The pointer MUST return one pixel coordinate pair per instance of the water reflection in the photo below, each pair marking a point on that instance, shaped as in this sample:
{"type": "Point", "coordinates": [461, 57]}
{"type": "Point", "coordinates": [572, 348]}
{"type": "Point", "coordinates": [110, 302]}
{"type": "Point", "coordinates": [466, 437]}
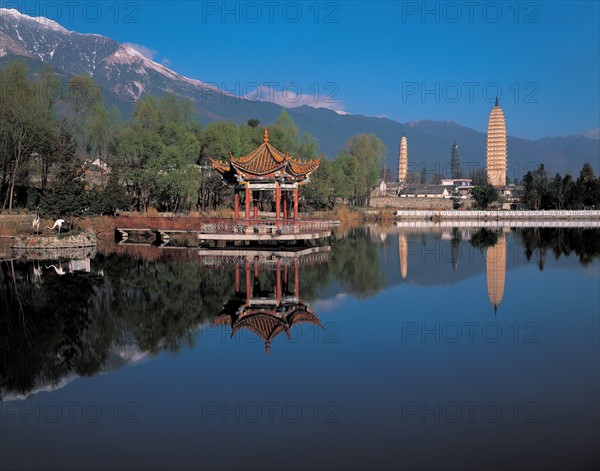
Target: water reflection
{"type": "Point", "coordinates": [65, 317]}
{"type": "Point", "coordinates": [269, 304]}
{"type": "Point", "coordinates": [495, 269]}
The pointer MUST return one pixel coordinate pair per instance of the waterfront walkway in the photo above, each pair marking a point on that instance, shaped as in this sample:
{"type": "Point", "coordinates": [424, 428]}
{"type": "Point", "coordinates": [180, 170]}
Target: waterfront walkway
{"type": "Point", "coordinates": [225, 230]}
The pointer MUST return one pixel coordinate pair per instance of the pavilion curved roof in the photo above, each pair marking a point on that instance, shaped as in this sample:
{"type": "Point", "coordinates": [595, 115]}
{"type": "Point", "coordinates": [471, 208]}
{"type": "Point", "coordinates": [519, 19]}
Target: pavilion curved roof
{"type": "Point", "coordinates": [264, 161]}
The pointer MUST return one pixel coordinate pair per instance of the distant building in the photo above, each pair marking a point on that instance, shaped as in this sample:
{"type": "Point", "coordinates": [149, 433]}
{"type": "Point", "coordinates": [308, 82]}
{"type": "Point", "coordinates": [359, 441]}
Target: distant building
{"type": "Point", "coordinates": [456, 182]}
{"type": "Point", "coordinates": [96, 173]}
{"type": "Point", "coordinates": [425, 191]}
{"type": "Point", "coordinates": [463, 185]}
{"type": "Point", "coordinates": [496, 147]}
{"type": "Point", "coordinates": [403, 159]}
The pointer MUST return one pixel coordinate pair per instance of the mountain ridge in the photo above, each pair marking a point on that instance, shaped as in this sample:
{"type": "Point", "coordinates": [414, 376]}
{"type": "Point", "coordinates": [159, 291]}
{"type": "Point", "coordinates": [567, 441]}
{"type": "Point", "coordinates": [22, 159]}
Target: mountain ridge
{"type": "Point", "coordinates": [126, 74]}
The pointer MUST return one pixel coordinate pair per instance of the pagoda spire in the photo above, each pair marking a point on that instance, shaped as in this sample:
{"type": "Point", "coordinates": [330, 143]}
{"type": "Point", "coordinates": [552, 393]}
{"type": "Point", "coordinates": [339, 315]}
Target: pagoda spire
{"type": "Point", "coordinates": [497, 104]}
{"type": "Point", "coordinates": [266, 135]}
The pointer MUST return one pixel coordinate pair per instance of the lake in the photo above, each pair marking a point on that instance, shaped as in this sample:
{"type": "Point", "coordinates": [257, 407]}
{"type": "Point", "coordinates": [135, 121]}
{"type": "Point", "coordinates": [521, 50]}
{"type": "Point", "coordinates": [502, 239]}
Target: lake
{"type": "Point", "coordinates": [384, 348]}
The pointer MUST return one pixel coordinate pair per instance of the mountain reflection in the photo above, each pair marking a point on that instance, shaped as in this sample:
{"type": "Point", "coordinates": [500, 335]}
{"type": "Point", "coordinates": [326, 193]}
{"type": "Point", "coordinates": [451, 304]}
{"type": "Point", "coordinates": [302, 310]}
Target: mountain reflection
{"type": "Point", "coordinates": [67, 317]}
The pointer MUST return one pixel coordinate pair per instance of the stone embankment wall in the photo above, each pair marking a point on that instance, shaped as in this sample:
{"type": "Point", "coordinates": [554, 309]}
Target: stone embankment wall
{"type": "Point", "coordinates": [87, 239]}
{"type": "Point", "coordinates": [395, 202]}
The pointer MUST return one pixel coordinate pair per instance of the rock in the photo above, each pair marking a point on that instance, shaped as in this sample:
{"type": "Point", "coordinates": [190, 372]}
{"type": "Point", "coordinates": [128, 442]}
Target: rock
{"type": "Point", "coordinates": [87, 239]}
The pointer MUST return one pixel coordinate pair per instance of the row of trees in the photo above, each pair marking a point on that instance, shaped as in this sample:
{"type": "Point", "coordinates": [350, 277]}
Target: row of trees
{"type": "Point", "coordinates": [158, 158]}
{"type": "Point", "coordinates": [543, 192]}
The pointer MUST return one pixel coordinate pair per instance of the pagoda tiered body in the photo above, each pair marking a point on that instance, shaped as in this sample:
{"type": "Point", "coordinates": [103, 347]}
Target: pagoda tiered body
{"type": "Point", "coordinates": [266, 168]}
{"type": "Point", "coordinates": [496, 147]}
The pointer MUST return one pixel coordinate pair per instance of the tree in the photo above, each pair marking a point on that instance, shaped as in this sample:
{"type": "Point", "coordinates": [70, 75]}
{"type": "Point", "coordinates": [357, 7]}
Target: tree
{"type": "Point", "coordinates": [561, 190]}
{"type": "Point", "coordinates": [66, 197]}
{"type": "Point", "coordinates": [158, 154]}
{"type": "Point", "coordinates": [100, 128]}
{"type": "Point", "coordinates": [26, 121]}
{"type": "Point", "coordinates": [109, 199]}
{"type": "Point", "coordinates": [83, 95]}
{"type": "Point", "coordinates": [423, 180]}
{"type": "Point", "coordinates": [456, 199]}
{"type": "Point", "coordinates": [479, 176]}
{"type": "Point", "coordinates": [323, 190]}
{"type": "Point", "coordinates": [588, 187]}
{"type": "Point", "coordinates": [484, 195]}
{"type": "Point", "coordinates": [359, 162]}
{"type": "Point", "coordinates": [253, 123]}
{"type": "Point", "coordinates": [536, 189]}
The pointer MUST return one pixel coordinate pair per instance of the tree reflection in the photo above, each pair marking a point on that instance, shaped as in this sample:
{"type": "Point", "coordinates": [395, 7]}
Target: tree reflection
{"type": "Point", "coordinates": [585, 243]}
{"type": "Point", "coordinates": [53, 327]}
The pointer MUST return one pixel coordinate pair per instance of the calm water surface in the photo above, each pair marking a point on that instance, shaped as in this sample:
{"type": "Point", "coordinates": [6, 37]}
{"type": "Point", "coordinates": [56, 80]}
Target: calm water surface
{"type": "Point", "coordinates": [385, 349]}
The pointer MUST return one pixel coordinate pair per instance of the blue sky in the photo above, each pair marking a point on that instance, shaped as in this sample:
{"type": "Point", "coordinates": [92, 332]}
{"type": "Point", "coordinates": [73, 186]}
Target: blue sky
{"type": "Point", "coordinates": [403, 60]}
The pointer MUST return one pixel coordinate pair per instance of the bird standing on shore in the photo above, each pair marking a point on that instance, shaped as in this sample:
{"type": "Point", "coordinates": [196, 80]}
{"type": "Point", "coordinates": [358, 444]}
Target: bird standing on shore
{"type": "Point", "coordinates": [35, 225]}
{"type": "Point", "coordinates": [58, 223]}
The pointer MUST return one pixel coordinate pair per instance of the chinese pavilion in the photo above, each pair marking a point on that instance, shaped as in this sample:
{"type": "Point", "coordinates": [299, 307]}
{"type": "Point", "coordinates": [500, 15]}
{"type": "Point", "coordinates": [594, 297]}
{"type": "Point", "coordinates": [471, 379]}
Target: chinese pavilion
{"type": "Point", "coordinates": [266, 168]}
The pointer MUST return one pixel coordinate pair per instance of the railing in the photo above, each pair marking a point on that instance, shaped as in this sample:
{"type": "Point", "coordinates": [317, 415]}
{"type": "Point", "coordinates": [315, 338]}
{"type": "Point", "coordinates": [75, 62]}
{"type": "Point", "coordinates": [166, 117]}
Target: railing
{"type": "Point", "coordinates": [543, 214]}
{"type": "Point", "coordinates": [219, 226]}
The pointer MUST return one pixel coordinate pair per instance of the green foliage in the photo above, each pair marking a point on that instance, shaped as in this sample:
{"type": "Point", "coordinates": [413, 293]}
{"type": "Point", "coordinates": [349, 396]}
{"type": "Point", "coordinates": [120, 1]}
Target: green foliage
{"type": "Point", "coordinates": [160, 158]}
{"type": "Point", "coordinates": [109, 199]}
{"type": "Point", "coordinates": [561, 192]}
{"type": "Point", "coordinates": [485, 195]}
{"type": "Point", "coordinates": [157, 154]}
{"type": "Point", "coordinates": [67, 196]}
{"type": "Point", "coordinates": [26, 128]}
{"type": "Point", "coordinates": [456, 200]}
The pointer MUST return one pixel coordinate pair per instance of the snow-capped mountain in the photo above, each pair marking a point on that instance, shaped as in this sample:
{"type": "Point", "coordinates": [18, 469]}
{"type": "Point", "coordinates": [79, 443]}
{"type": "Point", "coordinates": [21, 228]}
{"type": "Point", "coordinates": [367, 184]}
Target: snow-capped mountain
{"type": "Point", "coordinates": [114, 66]}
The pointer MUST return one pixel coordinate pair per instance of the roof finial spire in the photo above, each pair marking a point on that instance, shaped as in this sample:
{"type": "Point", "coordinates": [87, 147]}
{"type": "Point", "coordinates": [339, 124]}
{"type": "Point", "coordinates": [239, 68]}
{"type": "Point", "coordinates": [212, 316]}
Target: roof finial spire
{"type": "Point", "coordinates": [266, 135]}
{"type": "Point", "coordinates": [497, 101]}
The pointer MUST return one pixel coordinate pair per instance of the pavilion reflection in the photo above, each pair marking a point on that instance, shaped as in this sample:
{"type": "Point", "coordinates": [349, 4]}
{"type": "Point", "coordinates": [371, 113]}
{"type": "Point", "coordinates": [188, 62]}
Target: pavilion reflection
{"type": "Point", "coordinates": [267, 299]}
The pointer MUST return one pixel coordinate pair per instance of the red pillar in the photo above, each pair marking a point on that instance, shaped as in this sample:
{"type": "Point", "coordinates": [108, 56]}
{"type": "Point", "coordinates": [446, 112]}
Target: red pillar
{"type": "Point", "coordinates": [248, 283]}
{"type": "Point", "coordinates": [296, 203]}
{"type": "Point", "coordinates": [285, 214]}
{"type": "Point", "coordinates": [236, 203]}
{"type": "Point", "coordinates": [247, 204]}
{"type": "Point", "coordinates": [277, 204]}
{"type": "Point", "coordinates": [278, 292]}
{"type": "Point", "coordinates": [237, 277]}
{"type": "Point", "coordinates": [255, 201]}
{"type": "Point", "coordinates": [296, 280]}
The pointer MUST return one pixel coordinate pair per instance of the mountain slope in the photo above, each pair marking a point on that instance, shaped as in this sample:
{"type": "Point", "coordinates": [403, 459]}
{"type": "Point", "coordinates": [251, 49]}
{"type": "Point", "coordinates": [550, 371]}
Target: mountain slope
{"type": "Point", "coordinates": [125, 75]}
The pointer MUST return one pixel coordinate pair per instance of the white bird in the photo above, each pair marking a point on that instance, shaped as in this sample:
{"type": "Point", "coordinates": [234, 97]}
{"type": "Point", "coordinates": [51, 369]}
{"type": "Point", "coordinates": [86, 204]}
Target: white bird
{"type": "Point", "coordinates": [58, 223]}
{"type": "Point", "coordinates": [59, 270]}
{"type": "Point", "coordinates": [35, 225]}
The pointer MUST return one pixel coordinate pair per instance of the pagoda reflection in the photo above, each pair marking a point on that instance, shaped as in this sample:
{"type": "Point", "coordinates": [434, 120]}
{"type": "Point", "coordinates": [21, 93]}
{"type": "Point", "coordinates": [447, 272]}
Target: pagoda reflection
{"type": "Point", "coordinates": [495, 267]}
{"type": "Point", "coordinates": [267, 298]}
{"type": "Point", "coordinates": [403, 254]}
